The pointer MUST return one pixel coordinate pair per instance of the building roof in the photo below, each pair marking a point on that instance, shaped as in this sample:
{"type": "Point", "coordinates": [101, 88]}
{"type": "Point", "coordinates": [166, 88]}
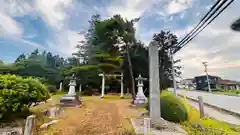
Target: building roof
{"type": "Point", "coordinates": [208, 75]}
{"type": "Point", "coordinates": [190, 79]}
{"type": "Point", "coordinates": [226, 82]}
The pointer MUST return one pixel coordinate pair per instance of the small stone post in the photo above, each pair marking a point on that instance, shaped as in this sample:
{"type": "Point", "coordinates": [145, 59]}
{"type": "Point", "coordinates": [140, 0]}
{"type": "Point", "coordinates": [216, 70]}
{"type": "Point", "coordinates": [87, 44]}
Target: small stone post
{"type": "Point", "coordinates": [127, 90]}
{"type": "Point", "coordinates": [147, 125]}
{"type": "Point", "coordinates": [60, 86]}
{"type": "Point", "coordinates": [80, 88]}
{"type": "Point", "coordinates": [201, 106]}
{"type": "Point", "coordinates": [103, 84]}
{"type": "Point", "coordinates": [29, 125]}
{"type": "Point", "coordinates": [121, 96]}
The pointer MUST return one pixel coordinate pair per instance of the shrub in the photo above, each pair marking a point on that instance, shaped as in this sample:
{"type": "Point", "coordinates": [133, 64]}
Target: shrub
{"type": "Point", "coordinates": [88, 92]}
{"type": "Point", "coordinates": [52, 88]}
{"type": "Point", "coordinates": [172, 107]}
{"type": "Point", "coordinates": [17, 94]}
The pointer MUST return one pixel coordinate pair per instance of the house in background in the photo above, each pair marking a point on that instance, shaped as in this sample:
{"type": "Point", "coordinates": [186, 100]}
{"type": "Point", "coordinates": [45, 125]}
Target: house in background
{"type": "Point", "coordinates": [216, 83]}
{"type": "Point", "coordinates": [227, 85]}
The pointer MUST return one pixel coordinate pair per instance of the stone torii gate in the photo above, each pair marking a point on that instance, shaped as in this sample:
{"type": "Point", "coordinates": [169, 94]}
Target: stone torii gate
{"type": "Point", "coordinates": [103, 82]}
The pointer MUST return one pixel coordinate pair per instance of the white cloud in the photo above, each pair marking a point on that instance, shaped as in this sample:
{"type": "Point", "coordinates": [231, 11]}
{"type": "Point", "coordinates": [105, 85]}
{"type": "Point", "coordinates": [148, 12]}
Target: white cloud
{"type": "Point", "coordinates": [8, 26]}
{"type": "Point", "coordinates": [16, 7]}
{"type": "Point", "coordinates": [130, 8]}
{"type": "Point", "coordinates": [65, 42]}
{"type": "Point", "coordinates": [176, 6]}
{"type": "Point", "coordinates": [218, 45]}
{"type": "Point", "coordinates": [53, 11]}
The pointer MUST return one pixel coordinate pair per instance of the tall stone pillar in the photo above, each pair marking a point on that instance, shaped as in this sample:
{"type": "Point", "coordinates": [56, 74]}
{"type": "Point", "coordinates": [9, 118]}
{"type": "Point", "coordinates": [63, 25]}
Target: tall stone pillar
{"type": "Point", "coordinates": [154, 87]}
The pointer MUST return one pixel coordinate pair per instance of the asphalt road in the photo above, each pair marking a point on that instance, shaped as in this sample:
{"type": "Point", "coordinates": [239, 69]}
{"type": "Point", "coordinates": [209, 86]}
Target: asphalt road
{"type": "Point", "coordinates": [223, 101]}
{"type": "Point", "coordinates": [218, 115]}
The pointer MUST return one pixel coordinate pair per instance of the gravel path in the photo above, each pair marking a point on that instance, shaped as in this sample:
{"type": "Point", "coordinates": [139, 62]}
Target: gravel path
{"type": "Point", "coordinates": [94, 117]}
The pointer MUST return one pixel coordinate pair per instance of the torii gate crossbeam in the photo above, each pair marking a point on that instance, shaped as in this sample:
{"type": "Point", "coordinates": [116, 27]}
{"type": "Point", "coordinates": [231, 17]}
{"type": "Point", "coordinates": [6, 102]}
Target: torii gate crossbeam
{"type": "Point", "coordinates": [103, 83]}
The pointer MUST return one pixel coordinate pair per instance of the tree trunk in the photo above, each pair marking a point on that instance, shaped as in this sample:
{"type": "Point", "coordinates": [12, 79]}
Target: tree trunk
{"type": "Point", "coordinates": [131, 74]}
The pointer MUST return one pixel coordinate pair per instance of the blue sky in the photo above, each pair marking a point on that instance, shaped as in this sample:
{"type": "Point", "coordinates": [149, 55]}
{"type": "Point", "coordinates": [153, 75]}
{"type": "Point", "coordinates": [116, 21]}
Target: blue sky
{"type": "Point", "coordinates": [53, 25]}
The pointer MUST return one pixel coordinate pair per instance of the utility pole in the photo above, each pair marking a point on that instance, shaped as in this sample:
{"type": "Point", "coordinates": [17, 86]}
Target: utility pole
{"type": "Point", "coordinates": [209, 87]}
{"type": "Point", "coordinates": [172, 64]}
{"type": "Point", "coordinates": [173, 73]}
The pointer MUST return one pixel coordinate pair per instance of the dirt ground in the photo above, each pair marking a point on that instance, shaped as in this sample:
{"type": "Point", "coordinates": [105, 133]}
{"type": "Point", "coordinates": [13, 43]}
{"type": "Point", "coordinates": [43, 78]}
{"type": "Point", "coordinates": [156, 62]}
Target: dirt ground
{"type": "Point", "coordinates": [95, 117]}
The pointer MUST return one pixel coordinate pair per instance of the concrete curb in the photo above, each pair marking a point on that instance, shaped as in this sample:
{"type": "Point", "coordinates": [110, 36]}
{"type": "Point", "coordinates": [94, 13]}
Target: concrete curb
{"type": "Point", "coordinates": [229, 95]}
{"type": "Point", "coordinates": [213, 93]}
{"type": "Point", "coordinates": [213, 106]}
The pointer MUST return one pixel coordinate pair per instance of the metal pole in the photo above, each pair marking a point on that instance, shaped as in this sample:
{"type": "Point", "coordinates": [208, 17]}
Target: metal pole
{"type": "Point", "coordinates": [209, 87]}
{"type": "Point", "coordinates": [173, 71]}
{"type": "Point", "coordinates": [173, 74]}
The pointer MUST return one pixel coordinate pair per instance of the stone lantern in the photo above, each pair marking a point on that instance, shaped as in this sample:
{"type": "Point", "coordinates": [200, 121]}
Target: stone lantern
{"type": "Point", "coordinates": [71, 99]}
{"type": "Point", "coordinates": [140, 97]}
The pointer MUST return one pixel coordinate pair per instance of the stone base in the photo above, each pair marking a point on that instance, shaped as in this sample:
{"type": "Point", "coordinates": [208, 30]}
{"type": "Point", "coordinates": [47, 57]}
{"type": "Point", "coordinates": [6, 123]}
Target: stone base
{"type": "Point", "coordinates": [140, 100]}
{"type": "Point", "coordinates": [70, 101]}
{"type": "Point", "coordinates": [138, 105]}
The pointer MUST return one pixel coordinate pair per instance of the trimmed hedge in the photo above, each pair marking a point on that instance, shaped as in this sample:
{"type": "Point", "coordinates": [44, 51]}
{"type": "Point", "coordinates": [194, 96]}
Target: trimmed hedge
{"type": "Point", "coordinates": [172, 108]}
{"type": "Point", "coordinates": [17, 94]}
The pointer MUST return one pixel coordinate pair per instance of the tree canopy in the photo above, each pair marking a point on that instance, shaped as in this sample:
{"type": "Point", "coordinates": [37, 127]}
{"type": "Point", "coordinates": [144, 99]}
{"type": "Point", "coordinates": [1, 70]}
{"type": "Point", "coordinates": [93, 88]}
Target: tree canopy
{"type": "Point", "coordinates": [110, 47]}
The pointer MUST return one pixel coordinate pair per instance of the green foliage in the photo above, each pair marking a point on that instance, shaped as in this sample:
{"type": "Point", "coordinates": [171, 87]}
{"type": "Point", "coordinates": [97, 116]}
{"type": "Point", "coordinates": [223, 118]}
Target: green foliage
{"type": "Point", "coordinates": [228, 92]}
{"type": "Point", "coordinates": [172, 107]}
{"type": "Point", "coordinates": [17, 94]}
{"type": "Point", "coordinates": [207, 126]}
{"type": "Point", "coordinates": [88, 75]}
{"type": "Point", "coordinates": [43, 65]}
{"type": "Point", "coordinates": [52, 88]}
{"type": "Point", "coordinates": [165, 68]}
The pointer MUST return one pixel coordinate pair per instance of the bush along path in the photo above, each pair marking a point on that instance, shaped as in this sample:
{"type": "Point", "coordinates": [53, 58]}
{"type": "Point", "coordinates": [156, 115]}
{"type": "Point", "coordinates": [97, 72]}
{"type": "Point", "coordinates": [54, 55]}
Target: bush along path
{"type": "Point", "coordinates": [94, 117]}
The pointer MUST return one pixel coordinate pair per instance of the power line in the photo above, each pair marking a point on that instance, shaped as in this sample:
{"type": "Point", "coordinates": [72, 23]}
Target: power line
{"type": "Point", "coordinates": [203, 18]}
{"type": "Point", "coordinates": [197, 28]}
{"type": "Point", "coordinates": [207, 24]}
{"type": "Point", "coordinates": [188, 39]}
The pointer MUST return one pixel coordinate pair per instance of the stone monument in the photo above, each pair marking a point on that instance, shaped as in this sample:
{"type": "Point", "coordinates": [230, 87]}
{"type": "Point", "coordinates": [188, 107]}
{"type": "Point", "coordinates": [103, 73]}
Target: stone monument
{"type": "Point", "coordinates": [154, 87]}
{"type": "Point", "coordinates": [140, 97]}
{"type": "Point", "coordinates": [71, 99]}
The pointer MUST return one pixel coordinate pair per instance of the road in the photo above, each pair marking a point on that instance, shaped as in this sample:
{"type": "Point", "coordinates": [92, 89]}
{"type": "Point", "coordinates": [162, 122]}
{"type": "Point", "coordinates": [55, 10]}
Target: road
{"type": "Point", "coordinates": [218, 115]}
{"type": "Point", "coordinates": [230, 103]}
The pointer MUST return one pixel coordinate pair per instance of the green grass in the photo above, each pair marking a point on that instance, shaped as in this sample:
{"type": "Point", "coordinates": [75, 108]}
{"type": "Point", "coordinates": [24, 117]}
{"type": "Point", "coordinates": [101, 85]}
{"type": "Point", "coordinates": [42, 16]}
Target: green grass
{"type": "Point", "coordinates": [116, 97]}
{"type": "Point", "coordinates": [186, 89]}
{"type": "Point", "coordinates": [55, 99]}
{"type": "Point", "coordinates": [228, 92]}
{"type": "Point", "coordinates": [36, 110]}
{"type": "Point", "coordinates": [207, 125]}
